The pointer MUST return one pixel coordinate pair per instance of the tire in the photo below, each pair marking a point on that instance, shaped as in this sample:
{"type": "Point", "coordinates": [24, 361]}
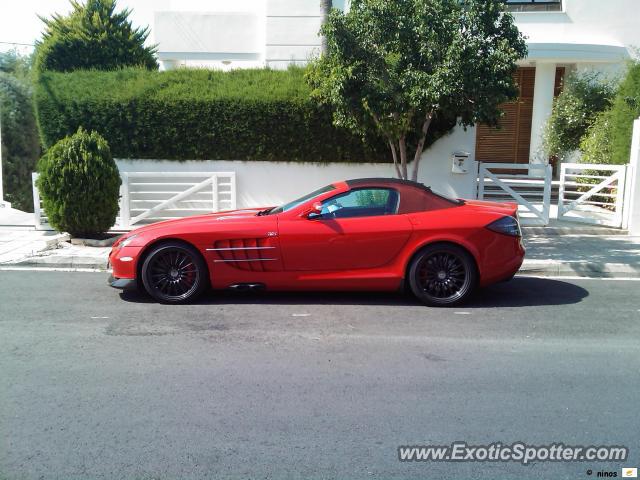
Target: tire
{"type": "Point", "coordinates": [443, 275]}
{"type": "Point", "coordinates": [174, 272]}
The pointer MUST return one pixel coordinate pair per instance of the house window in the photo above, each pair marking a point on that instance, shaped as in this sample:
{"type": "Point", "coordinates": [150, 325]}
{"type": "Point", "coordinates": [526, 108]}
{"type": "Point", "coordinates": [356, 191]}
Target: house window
{"type": "Point", "coordinates": [534, 5]}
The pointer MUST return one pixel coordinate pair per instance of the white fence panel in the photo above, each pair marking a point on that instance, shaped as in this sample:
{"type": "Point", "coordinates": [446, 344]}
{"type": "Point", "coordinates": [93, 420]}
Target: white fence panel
{"type": "Point", "coordinates": [40, 220]}
{"type": "Point", "coordinates": [592, 193]}
{"type": "Point", "coordinates": [528, 185]}
{"type": "Point", "coordinates": [147, 197]}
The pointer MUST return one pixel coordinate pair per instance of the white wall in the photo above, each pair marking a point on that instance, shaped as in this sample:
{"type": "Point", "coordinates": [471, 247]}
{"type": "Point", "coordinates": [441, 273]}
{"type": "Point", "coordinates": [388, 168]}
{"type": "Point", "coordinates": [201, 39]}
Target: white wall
{"type": "Point", "coordinates": [273, 183]}
{"type": "Point", "coordinates": [292, 28]}
{"type": "Point", "coordinates": [202, 32]}
{"type": "Point", "coordinates": [590, 22]}
{"type": "Point", "coordinates": [286, 31]}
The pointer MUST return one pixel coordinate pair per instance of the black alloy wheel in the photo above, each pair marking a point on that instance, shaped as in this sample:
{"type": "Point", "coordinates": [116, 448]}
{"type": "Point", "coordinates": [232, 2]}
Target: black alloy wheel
{"type": "Point", "coordinates": [174, 272]}
{"type": "Point", "coordinates": [443, 275]}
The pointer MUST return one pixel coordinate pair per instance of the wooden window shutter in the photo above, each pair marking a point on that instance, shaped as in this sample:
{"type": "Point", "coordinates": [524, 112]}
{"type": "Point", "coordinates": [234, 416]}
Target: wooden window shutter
{"type": "Point", "coordinates": [511, 141]}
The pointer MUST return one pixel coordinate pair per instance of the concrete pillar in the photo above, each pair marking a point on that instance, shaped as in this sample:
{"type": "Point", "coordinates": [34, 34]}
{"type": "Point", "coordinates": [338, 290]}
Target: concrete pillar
{"type": "Point", "coordinates": [542, 105]}
{"type": "Point", "coordinates": [631, 208]}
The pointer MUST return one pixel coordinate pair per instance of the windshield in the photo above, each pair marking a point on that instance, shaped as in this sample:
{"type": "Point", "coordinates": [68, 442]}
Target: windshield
{"type": "Point", "coordinates": [288, 206]}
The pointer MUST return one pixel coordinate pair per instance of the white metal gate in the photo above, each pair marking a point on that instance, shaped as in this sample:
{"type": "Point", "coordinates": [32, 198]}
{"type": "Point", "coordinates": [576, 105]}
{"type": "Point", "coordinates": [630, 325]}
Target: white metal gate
{"type": "Point", "coordinates": [40, 220]}
{"type": "Point", "coordinates": [591, 193]}
{"type": "Point", "coordinates": [528, 185]}
{"type": "Point", "coordinates": [147, 197]}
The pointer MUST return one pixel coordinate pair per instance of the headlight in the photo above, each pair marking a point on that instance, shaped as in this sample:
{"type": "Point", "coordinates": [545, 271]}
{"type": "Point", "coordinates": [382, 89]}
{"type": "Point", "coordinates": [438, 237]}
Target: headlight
{"type": "Point", "coordinates": [506, 226]}
{"type": "Point", "coordinates": [126, 241]}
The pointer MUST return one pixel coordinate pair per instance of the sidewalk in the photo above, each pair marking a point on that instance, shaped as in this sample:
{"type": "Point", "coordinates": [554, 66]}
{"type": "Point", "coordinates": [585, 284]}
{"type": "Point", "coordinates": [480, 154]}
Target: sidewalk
{"type": "Point", "coordinates": [551, 255]}
{"type": "Point", "coordinates": [607, 256]}
{"type": "Point", "coordinates": [62, 255]}
{"type": "Point", "coordinates": [18, 243]}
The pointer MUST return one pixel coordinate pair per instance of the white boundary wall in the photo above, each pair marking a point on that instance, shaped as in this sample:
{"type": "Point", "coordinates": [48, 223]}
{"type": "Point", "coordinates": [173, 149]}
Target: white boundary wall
{"type": "Point", "coordinates": [272, 183]}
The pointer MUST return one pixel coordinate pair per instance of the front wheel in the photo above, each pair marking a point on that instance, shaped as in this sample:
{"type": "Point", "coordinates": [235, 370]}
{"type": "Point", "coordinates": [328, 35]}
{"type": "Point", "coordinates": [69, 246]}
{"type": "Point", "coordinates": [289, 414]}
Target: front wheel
{"type": "Point", "coordinates": [443, 275]}
{"type": "Point", "coordinates": [174, 272]}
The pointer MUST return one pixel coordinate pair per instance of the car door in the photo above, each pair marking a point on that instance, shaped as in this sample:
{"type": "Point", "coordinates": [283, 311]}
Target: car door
{"type": "Point", "coordinates": [357, 229]}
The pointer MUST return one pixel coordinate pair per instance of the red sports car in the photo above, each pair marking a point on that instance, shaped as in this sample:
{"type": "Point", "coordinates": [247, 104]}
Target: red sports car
{"type": "Point", "coordinates": [367, 234]}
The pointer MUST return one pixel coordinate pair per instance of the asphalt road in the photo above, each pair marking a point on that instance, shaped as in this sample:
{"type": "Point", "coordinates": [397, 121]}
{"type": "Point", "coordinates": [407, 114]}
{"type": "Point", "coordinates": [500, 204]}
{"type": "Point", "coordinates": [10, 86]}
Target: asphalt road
{"type": "Point", "coordinates": [99, 385]}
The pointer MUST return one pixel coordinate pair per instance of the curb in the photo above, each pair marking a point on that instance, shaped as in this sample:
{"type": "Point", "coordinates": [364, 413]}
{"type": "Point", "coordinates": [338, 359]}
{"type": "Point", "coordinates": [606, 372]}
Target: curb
{"type": "Point", "coordinates": [564, 231]}
{"type": "Point", "coordinates": [67, 263]}
{"type": "Point", "coordinates": [62, 261]}
{"type": "Point", "coordinates": [579, 269]}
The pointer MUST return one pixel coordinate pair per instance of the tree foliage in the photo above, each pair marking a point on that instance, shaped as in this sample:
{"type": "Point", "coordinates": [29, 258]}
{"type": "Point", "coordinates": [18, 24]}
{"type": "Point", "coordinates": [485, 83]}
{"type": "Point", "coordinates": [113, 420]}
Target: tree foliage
{"type": "Point", "coordinates": [20, 144]}
{"type": "Point", "coordinates": [93, 35]}
{"type": "Point", "coordinates": [608, 138]}
{"type": "Point", "coordinates": [584, 97]}
{"type": "Point", "coordinates": [394, 67]}
{"type": "Point", "coordinates": [80, 184]}
{"type": "Point", "coordinates": [16, 64]}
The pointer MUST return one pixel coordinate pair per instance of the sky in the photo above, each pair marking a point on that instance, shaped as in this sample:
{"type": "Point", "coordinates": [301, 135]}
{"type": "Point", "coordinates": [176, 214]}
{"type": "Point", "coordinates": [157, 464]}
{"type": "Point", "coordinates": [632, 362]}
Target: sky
{"type": "Point", "coordinates": [19, 22]}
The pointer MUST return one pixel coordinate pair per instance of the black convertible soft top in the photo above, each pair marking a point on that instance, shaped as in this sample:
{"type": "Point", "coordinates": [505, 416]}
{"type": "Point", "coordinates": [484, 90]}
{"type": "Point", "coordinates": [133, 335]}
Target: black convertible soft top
{"type": "Point", "coordinates": [386, 181]}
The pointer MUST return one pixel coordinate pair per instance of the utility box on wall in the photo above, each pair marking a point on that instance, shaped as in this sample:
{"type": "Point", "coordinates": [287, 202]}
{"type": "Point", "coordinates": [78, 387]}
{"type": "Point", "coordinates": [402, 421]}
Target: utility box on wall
{"type": "Point", "coordinates": [460, 162]}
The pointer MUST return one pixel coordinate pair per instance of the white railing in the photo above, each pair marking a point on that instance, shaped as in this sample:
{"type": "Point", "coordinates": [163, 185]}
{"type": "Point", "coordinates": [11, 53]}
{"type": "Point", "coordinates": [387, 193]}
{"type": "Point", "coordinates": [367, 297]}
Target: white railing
{"type": "Point", "coordinates": [40, 220]}
{"type": "Point", "coordinates": [528, 185]}
{"type": "Point", "coordinates": [592, 193]}
{"type": "Point", "coordinates": [147, 197]}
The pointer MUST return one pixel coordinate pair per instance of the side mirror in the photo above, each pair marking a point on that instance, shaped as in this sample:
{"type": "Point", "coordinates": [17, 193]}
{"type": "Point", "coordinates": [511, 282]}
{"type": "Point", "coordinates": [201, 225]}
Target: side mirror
{"type": "Point", "coordinates": [316, 211]}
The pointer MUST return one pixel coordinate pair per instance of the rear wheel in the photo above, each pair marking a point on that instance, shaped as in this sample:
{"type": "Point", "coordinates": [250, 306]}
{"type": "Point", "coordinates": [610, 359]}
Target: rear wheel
{"type": "Point", "coordinates": [443, 275]}
{"type": "Point", "coordinates": [174, 272]}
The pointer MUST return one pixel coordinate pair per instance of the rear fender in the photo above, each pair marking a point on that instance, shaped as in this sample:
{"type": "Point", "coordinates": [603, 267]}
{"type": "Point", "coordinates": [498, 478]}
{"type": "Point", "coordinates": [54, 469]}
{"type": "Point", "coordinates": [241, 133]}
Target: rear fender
{"type": "Point", "coordinates": [451, 239]}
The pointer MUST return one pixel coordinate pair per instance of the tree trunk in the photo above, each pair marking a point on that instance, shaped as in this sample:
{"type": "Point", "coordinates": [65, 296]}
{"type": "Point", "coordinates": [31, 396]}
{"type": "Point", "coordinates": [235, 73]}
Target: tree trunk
{"type": "Point", "coordinates": [395, 158]}
{"type": "Point", "coordinates": [402, 144]}
{"type": "Point", "coordinates": [325, 9]}
{"type": "Point", "coordinates": [420, 147]}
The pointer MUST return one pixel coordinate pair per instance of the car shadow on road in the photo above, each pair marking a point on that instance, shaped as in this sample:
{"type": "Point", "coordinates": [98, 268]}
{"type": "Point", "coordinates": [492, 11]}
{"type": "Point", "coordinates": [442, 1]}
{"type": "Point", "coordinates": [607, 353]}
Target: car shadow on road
{"type": "Point", "coordinates": [528, 292]}
{"type": "Point", "coordinates": [519, 292]}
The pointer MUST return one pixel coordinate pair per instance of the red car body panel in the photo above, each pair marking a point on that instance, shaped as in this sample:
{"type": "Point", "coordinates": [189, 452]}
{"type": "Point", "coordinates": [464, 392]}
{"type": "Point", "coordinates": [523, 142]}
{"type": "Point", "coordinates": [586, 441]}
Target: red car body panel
{"type": "Point", "coordinates": [288, 251]}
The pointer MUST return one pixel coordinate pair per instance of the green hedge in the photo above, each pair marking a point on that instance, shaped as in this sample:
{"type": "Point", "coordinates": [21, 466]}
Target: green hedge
{"type": "Point", "coordinates": [184, 114]}
{"type": "Point", "coordinates": [625, 109]}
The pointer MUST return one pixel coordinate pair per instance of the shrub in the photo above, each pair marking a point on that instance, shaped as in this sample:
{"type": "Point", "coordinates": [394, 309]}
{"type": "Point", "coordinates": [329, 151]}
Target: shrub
{"type": "Point", "coordinates": [20, 144]}
{"type": "Point", "coordinates": [93, 35]}
{"type": "Point", "coordinates": [584, 96]}
{"type": "Point", "coordinates": [625, 109]}
{"type": "Point", "coordinates": [596, 145]}
{"type": "Point", "coordinates": [79, 184]}
{"type": "Point", "coordinates": [253, 114]}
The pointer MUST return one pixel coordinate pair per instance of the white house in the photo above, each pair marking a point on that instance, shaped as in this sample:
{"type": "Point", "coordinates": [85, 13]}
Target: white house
{"type": "Point", "coordinates": [562, 35]}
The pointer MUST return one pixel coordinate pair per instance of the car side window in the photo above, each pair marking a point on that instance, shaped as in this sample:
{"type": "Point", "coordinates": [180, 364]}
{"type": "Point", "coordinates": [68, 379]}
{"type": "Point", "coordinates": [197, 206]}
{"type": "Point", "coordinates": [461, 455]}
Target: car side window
{"type": "Point", "coordinates": [362, 202]}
